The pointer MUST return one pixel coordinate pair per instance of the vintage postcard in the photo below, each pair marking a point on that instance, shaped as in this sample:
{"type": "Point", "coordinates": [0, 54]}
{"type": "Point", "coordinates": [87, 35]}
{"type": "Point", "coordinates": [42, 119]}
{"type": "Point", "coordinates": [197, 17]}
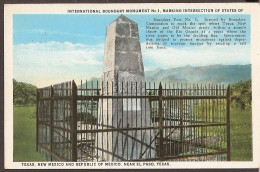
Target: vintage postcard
{"type": "Point", "coordinates": [132, 86]}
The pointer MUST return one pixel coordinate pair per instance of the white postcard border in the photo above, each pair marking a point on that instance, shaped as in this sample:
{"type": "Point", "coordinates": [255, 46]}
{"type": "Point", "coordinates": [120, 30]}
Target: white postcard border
{"type": "Point", "coordinates": [10, 9]}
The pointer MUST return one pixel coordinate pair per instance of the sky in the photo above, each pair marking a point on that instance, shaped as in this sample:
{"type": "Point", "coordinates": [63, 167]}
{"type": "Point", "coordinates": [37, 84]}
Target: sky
{"type": "Point", "coordinates": [49, 49]}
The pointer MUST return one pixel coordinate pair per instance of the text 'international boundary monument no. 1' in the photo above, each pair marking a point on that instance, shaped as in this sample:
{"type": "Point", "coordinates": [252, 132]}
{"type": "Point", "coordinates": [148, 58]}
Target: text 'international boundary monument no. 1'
{"type": "Point", "coordinates": [123, 65]}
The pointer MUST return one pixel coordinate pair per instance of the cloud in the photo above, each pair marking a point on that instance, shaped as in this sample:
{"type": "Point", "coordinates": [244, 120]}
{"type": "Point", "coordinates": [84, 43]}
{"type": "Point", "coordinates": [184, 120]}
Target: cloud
{"type": "Point", "coordinates": [40, 63]}
{"type": "Point", "coordinates": [52, 33]}
{"type": "Point", "coordinates": [46, 32]}
{"type": "Point", "coordinates": [194, 56]}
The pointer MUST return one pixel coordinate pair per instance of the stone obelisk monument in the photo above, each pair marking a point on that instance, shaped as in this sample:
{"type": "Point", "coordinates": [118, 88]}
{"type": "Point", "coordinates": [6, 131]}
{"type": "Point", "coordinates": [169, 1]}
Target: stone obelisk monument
{"type": "Point", "coordinates": [123, 74]}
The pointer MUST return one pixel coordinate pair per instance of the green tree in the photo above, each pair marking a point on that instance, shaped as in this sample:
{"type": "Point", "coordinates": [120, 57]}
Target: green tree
{"type": "Point", "coordinates": [23, 94]}
{"type": "Point", "coordinates": [241, 95]}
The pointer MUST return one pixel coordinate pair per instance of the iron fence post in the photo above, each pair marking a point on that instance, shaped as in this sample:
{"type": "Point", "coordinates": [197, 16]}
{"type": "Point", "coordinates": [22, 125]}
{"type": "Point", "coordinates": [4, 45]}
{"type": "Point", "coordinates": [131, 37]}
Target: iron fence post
{"type": "Point", "coordinates": [181, 121]}
{"type": "Point", "coordinates": [160, 123]}
{"type": "Point", "coordinates": [74, 121]}
{"type": "Point", "coordinates": [228, 123]}
{"type": "Point", "coordinates": [37, 119]}
{"type": "Point", "coordinates": [51, 120]}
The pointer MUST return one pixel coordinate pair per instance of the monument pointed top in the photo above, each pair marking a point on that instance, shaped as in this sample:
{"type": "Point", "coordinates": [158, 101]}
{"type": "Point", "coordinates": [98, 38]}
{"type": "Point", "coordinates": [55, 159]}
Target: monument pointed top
{"type": "Point", "coordinates": [124, 18]}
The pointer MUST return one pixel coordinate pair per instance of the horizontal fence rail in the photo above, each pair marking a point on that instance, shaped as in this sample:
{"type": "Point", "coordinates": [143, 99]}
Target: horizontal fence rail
{"type": "Point", "coordinates": [130, 121]}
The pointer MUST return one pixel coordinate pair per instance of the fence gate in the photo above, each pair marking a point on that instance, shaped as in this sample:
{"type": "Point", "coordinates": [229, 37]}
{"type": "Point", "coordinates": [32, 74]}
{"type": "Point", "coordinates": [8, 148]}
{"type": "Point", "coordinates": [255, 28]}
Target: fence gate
{"type": "Point", "coordinates": [133, 122]}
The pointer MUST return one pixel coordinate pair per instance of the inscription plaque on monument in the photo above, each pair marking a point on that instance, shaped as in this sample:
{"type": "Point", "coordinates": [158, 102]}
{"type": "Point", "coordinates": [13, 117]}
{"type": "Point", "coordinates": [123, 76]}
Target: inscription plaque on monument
{"type": "Point", "coordinates": [123, 74]}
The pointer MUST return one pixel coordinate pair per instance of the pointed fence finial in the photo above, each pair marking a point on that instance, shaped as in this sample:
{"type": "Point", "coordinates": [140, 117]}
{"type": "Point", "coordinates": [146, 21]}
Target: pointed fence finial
{"type": "Point", "coordinates": [160, 89]}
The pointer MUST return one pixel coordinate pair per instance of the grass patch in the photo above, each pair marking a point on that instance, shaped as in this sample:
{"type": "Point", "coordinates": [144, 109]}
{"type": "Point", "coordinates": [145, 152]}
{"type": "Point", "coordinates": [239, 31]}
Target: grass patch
{"type": "Point", "coordinates": [25, 123]}
{"type": "Point", "coordinates": [24, 135]}
{"type": "Point", "coordinates": [241, 135]}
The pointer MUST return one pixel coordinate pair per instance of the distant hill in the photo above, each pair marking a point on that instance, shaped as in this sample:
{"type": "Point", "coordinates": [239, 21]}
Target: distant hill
{"type": "Point", "coordinates": [211, 74]}
{"type": "Point", "coordinates": [214, 74]}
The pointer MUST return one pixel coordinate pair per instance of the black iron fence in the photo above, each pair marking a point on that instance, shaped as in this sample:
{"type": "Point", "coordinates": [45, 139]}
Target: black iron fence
{"type": "Point", "coordinates": [133, 121]}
